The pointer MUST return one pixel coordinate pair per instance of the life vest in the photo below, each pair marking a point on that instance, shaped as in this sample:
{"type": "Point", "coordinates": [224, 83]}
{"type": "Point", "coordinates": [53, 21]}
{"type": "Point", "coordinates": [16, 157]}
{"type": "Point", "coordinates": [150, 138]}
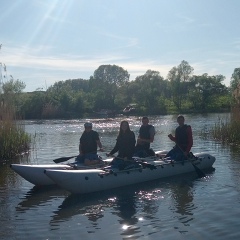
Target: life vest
{"type": "Point", "coordinates": [144, 132]}
{"type": "Point", "coordinates": [88, 142]}
{"type": "Point", "coordinates": [182, 136]}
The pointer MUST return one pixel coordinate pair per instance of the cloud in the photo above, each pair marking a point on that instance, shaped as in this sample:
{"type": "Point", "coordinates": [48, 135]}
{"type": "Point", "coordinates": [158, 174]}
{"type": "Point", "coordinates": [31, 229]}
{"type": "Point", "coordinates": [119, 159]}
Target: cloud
{"type": "Point", "coordinates": [39, 71]}
{"type": "Point", "coordinates": [186, 19]}
{"type": "Point", "coordinates": [33, 68]}
{"type": "Point", "coordinates": [31, 59]}
{"type": "Point", "coordinates": [127, 41]}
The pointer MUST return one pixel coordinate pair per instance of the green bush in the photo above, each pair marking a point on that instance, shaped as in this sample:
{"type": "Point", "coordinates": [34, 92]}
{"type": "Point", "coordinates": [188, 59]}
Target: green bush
{"type": "Point", "coordinates": [228, 131]}
{"type": "Point", "coordinates": [13, 140]}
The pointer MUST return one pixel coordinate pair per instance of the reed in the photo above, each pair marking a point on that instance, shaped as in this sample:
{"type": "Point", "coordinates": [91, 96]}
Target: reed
{"type": "Point", "coordinates": [13, 138]}
{"type": "Point", "coordinates": [227, 131]}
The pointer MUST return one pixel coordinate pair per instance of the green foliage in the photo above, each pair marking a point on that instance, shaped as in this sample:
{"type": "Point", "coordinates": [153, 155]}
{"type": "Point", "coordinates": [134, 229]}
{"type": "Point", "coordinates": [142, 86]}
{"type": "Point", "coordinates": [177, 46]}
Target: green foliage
{"type": "Point", "coordinates": [13, 86]}
{"type": "Point", "coordinates": [235, 79]}
{"type": "Point", "coordinates": [13, 139]}
{"type": "Point", "coordinates": [111, 74]}
{"type": "Point", "coordinates": [178, 77]}
{"type": "Point", "coordinates": [33, 105]}
{"type": "Point", "coordinates": [205, 90]}
{"type": "Point", "coordinates": [228, 131]}
{"type": "Point", "coordinates": [110, 88]}
{"type": "Point", "coordinates": [105, 85]}
{"type": "Point", "coordinates": [148, 89]}
{"type": "Point", "coordinates": [11, 91]}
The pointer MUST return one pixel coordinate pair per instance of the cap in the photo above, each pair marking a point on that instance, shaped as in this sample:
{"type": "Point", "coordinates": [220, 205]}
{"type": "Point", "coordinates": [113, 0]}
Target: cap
{"type": "Point", "coordinates": [88, 124]}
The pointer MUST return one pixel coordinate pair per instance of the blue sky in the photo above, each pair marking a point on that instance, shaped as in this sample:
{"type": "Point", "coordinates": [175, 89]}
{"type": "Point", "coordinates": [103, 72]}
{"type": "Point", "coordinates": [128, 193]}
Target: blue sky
{"type": "Point", "coordinates": [44, 41]}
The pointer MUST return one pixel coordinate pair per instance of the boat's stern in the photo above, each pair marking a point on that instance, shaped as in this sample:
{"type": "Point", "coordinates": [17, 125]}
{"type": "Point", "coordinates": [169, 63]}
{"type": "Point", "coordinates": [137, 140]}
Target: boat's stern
{"type": "Point", "coordinates": [206, 160]}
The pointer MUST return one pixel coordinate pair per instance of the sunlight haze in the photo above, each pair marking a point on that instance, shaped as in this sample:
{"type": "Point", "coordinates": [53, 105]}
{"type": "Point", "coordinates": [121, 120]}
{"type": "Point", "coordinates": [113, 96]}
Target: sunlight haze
{"type": "Point", "coordinates": [45, 41]}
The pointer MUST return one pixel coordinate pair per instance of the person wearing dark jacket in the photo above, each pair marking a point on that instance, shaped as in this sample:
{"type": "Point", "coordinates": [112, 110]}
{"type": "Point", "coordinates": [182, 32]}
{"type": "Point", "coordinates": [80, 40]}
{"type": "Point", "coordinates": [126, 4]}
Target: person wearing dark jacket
{"type": "Point", "coordinates": [183, 139]}
{"type": "Point", "coordinates": [125, 146]}
{"type": "Point", "coordinates": [89, 141]}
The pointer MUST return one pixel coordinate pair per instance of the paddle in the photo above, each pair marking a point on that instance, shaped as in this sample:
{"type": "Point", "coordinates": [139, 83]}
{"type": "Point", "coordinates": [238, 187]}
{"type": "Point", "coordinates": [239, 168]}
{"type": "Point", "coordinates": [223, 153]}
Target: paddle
{"type": "Point", "coordinates": [63, 159]}
{"type": "Point", "coordinates": [199, 172]}
{"type": "Point", "coordinates": [144, 164]}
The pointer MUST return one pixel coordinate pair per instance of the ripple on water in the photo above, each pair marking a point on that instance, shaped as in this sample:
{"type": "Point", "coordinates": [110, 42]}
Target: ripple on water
{"type": "Point", "coordinates": [182, 207]}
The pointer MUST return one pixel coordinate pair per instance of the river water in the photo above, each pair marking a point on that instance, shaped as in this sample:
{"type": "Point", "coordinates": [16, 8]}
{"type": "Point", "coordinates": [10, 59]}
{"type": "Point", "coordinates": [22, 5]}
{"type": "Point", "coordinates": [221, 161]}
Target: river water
{"type": "Point", "coordinates": [181, 207]}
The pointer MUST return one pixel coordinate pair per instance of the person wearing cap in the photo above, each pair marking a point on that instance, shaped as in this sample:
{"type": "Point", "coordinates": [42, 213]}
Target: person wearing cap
{"type": "Point", "coordinates": [89, 141]}
{"type": "Point", "coordinates": [145, 138]}
{"type": "Point", "coordinates": [183, 139]}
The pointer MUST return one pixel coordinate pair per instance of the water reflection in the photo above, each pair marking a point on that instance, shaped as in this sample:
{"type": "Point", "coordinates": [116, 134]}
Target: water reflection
{"type": "Point", "coordinates": [182, 195]}
{"type": "Point", "coordinates": [89, 205]}
{"type": "Point", "coordinates": [39, 196]}
{"type": "Point", "coordinates": [164, 209]}
{"type": "Point", "coordinates": [133, 205]}
{"type": "Point", "coordinates": [122, 202]}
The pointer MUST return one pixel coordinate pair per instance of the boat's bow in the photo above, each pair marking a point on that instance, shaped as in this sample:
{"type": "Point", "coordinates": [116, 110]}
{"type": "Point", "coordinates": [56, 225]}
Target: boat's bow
{"type": "Point", "coordinates": [35, 173]}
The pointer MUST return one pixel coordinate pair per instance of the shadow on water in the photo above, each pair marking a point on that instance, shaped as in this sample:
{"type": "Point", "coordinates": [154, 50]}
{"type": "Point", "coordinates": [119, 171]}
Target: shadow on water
{"type": "Point", "coordinates": [40, 196]}
{"type": "Point", "coordinates": [127, 203]}
{"type": "Point", "coordinates": [92, 205]}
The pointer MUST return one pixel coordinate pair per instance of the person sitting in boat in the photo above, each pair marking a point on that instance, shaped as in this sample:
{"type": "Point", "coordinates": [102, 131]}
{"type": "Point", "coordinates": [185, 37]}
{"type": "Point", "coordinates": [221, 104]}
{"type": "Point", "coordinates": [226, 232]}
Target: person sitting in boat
{"type": "Point", "coordinates": [183, 139]}
{"type": "Point", "coordinates": [125, 145]}
{"type": "Point", "coordinates": [89, 141]}
{"type": "Point", "coordinates": [145, 138]}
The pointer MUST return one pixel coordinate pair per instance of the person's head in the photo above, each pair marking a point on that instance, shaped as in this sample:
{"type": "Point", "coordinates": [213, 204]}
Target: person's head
{"type": "Point", "coordinates": [124, 126]}
{"type": "Point", "coordinates": [88, 126]}
{"type": "Point", "coordinates": [145, 121]}
{"type": "Point", "coordinates": [180, 120]}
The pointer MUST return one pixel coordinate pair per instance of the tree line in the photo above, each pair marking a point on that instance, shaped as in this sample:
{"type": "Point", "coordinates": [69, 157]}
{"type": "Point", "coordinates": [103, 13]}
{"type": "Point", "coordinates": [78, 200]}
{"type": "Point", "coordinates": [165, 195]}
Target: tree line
{"type": "Point", "coordinates": [110, 88]}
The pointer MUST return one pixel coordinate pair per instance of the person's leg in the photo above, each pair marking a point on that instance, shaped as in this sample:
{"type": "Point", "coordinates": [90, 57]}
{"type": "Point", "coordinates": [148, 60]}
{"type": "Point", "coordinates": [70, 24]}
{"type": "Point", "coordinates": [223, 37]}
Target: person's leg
{"type": "Point", "coordinates": [171, 153]}
{"type": "Point", "coordinates": [92, 159]}
{"type": "Point", "coordinates": [117, 163]}
{"type": "Point", "coordinates": [141, 154]}
{"type": "Point", "coordinates": [179, 157]}
{"type": "Point", "coordinates": [80, 158]}
{"type": "Point", "coordinates": [150, 152]}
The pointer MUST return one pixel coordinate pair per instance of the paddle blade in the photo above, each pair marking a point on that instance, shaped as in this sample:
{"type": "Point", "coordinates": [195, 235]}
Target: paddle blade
{"type": "Point", "coordinates": [62, 159]}
{"type": "Point", "coordinates": [199, 172]}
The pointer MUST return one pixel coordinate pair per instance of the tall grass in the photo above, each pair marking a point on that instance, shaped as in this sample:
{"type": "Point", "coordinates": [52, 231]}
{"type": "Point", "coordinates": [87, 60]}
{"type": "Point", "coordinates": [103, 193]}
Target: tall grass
{"type": "Point", "coordinates": [228, 131]}
{"type": "Point", "coordinates": [13, 138]}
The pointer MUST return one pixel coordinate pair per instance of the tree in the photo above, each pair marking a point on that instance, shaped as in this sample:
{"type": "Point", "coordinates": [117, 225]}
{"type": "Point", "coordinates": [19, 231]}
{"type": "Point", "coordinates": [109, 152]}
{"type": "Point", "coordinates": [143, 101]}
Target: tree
{"type": "Point", "coordinates": [149, 88]}
{"type": "Point", "coordinates": [178, 77]}
{"type": "Point", "coordinates": [73, 85]}
{"type": "Point", "coordinates": [235, 79]}
{"type": "Point", "coordinates": [107, 80]}
{"type": "Point", "coordinates": [235, 85]}
{"type": "Point", "coordinates": [206, 89]}
{"type": "Point", "coordinates": [11, 92]}
{"type": "Point", "coordinates": [111, 74]}
{"type": "Point", "coordinates": [13, 86]}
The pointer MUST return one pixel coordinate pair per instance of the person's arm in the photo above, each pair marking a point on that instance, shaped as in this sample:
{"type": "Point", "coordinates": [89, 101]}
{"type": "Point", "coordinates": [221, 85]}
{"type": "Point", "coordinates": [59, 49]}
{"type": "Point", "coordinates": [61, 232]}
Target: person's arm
{"type": "Point", "coordinates": [172, 138]}
{"type": "Point", "coordinates": [99, 145]}
{"type": "Point", "coordinates": [115, 149]}
{"type": "Point", "coordinates": [80, 146]}
{"type": "Point", "coordinates": [190, 139]}
{"type": "Point", "coordinates": [131, 147]}
{"type": "Point", "coordinates": [152, 134]}
{"type": "Point", "coordinates": [80, 149]}
{"type": "Point", "coordinates": [133, 139]}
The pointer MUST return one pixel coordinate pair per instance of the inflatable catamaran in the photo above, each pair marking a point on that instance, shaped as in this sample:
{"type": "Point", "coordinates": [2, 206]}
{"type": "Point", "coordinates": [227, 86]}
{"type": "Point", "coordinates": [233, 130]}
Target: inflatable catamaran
{"type": "Point", "coordinates": [93, 180]}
